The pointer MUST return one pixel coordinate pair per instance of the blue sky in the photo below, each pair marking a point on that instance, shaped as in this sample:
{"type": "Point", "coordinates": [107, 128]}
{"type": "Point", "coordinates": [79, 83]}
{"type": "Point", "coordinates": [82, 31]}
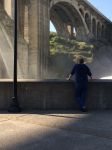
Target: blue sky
{"type": "Point", "coordinates": [104, 6]}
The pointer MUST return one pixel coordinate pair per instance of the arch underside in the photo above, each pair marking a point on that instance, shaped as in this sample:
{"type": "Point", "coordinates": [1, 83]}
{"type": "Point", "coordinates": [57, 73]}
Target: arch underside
{"type": "Point", "coordinates": [65, 18]}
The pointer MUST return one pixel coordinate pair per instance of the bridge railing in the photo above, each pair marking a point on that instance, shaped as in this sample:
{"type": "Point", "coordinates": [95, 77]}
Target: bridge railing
{"type": "Point", "coordinates": [55, 94]}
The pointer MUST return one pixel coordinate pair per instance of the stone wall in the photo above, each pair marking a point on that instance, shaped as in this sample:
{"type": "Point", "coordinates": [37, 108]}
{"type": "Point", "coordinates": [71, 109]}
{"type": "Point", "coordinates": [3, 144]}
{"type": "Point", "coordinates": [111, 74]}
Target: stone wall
{"type": "Point", "coordinates": [55, 94]}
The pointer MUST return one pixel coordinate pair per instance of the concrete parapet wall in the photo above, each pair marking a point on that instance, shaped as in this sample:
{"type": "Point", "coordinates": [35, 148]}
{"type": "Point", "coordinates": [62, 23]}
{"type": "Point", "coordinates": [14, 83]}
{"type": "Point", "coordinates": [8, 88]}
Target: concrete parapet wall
{"type": "Point", "coordinates": [55, 94]}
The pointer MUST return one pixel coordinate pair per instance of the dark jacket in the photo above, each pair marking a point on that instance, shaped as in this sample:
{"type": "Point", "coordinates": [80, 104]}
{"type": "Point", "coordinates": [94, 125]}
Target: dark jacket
{"type": "Point", "coordinates": [81, 72]}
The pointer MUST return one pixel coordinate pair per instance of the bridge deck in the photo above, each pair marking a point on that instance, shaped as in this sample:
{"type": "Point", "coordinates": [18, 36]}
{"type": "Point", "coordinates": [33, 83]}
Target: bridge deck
{"type": "Point", "coordinates": [56, 130]}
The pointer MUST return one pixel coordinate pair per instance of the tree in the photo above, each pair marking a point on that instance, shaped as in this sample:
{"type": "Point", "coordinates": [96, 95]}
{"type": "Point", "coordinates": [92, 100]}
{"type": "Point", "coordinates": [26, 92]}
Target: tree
{"type": "Point", "coordinates": [74, 48]}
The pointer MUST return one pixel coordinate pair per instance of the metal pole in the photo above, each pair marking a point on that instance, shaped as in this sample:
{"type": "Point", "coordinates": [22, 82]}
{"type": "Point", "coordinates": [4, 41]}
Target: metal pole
{"type": "Point", "coordinates": [14, 106]}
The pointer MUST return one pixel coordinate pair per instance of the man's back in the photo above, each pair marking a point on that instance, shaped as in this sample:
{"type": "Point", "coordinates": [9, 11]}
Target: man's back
{"type": "Point", "coordinates": [81, 72]}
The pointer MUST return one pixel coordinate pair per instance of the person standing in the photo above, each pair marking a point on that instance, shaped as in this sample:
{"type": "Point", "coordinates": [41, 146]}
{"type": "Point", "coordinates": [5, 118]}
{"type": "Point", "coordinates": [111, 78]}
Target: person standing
{"type": "Point", "coordinates": [81, 72]}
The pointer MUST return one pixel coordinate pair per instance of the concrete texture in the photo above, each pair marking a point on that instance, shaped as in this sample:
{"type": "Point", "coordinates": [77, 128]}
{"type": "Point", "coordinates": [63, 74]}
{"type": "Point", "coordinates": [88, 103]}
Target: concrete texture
{"type": "Point", "coordinates": [55, 94]}
{"type": "Point", "coordinates": [56, 130]}
{"type": "Point", "coordinates": [6, 47]}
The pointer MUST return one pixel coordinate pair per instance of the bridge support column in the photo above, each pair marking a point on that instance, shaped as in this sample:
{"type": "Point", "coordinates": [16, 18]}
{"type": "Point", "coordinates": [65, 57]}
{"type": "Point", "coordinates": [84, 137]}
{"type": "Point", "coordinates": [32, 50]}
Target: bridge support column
{"type": "Point", "coordinates": [38, 38]}
{"type": "Point", "coordinates": [21, 16]}
{"type": "Point", "coordinates": [9, 7]}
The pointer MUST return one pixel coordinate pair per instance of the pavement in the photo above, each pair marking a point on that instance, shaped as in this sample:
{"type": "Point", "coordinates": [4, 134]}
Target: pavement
{"type": "Point", "coordinates": [56, 130]}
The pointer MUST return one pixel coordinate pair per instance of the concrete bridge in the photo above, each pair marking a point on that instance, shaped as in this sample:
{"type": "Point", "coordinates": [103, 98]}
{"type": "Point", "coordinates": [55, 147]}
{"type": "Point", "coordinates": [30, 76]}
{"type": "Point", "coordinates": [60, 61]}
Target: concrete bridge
{"type": "Point", "coordinates": [72, 18]}
{"type": "Point", "coordinates": [81, 15]}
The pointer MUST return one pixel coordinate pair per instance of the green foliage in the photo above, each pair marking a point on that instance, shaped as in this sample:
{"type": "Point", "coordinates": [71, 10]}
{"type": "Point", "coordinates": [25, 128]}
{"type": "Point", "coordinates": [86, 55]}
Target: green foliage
{"type": "Point", "coordinates": [72, 47]}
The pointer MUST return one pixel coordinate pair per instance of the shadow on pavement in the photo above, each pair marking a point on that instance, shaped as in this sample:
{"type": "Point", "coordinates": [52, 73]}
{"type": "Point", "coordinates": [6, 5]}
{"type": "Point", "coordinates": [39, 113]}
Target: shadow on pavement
{"type": "Point", "coordinates": [56, 130]}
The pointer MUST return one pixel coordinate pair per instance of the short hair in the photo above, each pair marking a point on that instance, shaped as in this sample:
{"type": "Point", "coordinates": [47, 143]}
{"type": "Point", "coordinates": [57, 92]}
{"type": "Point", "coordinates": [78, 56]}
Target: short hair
{"type": "Point", "coordinates": [81, 60]}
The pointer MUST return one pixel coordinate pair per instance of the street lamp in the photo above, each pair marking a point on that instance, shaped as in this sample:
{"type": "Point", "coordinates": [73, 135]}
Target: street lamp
{"type": "Point", "coordinates": [14, 105]}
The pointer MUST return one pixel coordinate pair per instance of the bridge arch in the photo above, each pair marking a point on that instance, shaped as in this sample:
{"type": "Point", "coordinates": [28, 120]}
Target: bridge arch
{"type": "Point", "coordinates": [65, 17]}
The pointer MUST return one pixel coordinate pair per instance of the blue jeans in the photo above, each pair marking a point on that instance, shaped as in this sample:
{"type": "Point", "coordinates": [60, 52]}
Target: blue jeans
{"type": "Point", "coordinates": [81, 92]}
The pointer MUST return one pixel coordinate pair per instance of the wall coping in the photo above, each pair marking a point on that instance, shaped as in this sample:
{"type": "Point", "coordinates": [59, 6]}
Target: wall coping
{"type": "Point", "coordinates": [54, 80]}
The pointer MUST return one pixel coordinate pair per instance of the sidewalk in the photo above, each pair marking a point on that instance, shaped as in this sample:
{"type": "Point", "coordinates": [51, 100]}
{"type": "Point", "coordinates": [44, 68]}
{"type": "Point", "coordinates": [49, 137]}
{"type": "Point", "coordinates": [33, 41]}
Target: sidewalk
{"type": "Point", "coordinates": [56, 131]}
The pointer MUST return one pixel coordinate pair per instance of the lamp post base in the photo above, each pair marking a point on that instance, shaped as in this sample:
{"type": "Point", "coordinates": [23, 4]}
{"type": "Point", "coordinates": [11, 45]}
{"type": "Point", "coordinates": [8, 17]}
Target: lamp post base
{"type": "Point", "coordinates": [14, 106]}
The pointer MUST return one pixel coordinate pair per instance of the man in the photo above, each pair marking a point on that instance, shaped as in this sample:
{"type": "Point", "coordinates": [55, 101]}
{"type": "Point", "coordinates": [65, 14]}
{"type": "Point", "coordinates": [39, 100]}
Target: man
{"type": "Point", "coordinates": [81, 72]}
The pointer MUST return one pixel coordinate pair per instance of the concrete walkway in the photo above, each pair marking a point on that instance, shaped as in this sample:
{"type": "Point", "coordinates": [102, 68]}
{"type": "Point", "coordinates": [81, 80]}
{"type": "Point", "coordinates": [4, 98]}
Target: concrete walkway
{"type": "Point", "coordinates": [56, 131]}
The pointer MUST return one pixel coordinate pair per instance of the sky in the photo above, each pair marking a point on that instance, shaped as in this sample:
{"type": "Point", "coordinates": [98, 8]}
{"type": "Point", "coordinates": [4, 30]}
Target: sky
{"type": "Point", "coordinates": [104, 6]}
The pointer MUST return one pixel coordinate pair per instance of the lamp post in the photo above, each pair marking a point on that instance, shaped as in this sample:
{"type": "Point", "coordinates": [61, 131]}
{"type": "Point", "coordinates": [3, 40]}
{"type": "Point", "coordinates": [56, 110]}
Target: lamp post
{"type": "Point", "coordinates": [14, 105]}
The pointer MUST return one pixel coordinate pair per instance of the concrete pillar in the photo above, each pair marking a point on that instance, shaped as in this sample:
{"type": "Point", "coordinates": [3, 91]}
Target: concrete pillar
{"type": "Point", "coordinates": [90, 23]}
{"type": "Point", "coordinates": [96, 30]}
{"type": "Point", "coordinates": [8, 5]}
{"type": "Point", "coordinates": [21, 16]}
{"type": "Point", "coordinates": [70, 30]}
{"type": "Point", "coordinates": [111, 33]}
{"type": "Point", "coordinates": [38, 38]}
{"type": "Point", "coordinates": [108, 32]}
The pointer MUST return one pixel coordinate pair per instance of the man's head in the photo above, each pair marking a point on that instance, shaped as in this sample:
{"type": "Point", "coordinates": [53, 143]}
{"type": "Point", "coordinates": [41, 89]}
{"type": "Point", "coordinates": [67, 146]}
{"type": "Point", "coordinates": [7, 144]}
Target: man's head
{"type": "Point", "coordinates": [81, 60]}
